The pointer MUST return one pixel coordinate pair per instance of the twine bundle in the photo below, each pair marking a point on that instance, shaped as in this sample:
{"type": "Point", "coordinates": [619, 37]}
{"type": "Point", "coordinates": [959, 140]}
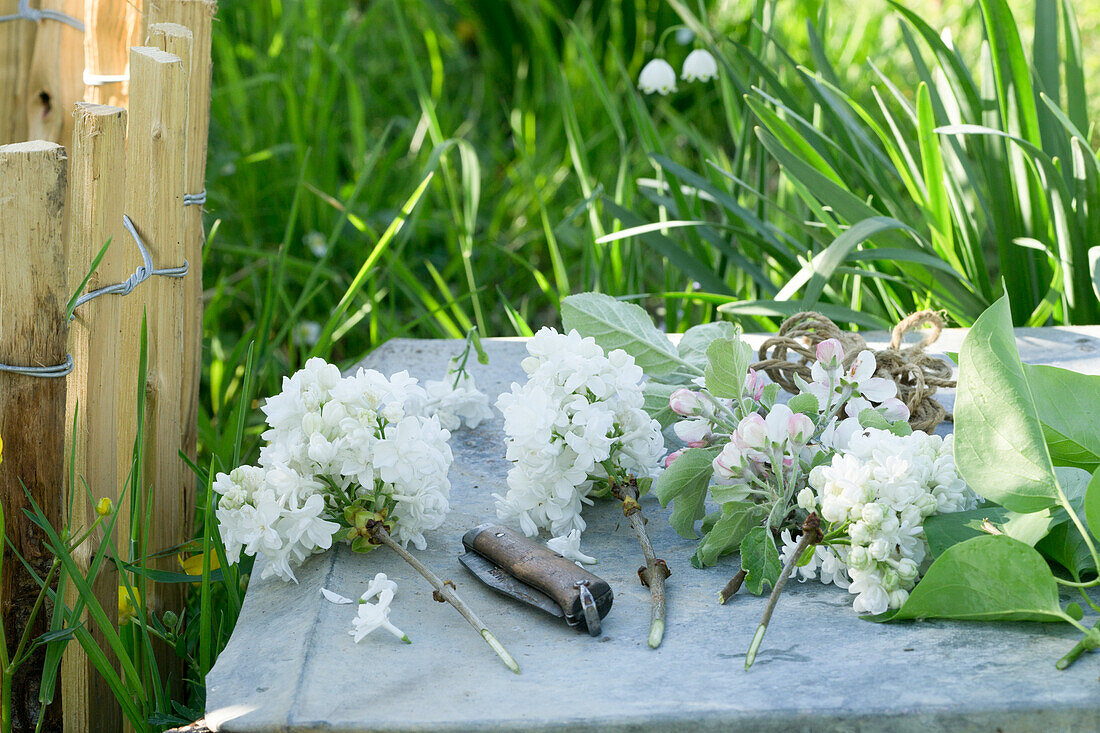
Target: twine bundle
{"type": "Point", "coordinates": [918, 375]}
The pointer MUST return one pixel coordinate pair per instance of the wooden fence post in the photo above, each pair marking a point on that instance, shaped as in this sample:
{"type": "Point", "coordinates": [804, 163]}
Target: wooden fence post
{"type": "Point", "coordinates": [95, 216]}
{"type": "Point", "coordinates": [33, 295]}
{"type": "Point", "coordinates": [16, 47]}
{"type": "Point", "coordinates": [111, 27]}
{"type": "Point", "coordinates": [155, 168]}
{"type": "Point", "coordinates": [197, 16]}
{"type": "Point", "coordinates": [55, 83]}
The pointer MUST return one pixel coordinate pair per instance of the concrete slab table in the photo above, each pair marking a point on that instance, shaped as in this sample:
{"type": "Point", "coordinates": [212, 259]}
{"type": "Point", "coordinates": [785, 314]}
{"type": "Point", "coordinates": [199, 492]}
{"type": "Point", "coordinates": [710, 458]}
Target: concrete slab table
{"type": "Point", "coordinates": [292, 666]}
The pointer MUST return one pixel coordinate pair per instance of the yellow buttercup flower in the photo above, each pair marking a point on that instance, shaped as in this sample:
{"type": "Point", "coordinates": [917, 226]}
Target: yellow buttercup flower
{"type": "Point", "coordinates": [126, 611]}
{"type": "Point", "coordinates": [193, 564]}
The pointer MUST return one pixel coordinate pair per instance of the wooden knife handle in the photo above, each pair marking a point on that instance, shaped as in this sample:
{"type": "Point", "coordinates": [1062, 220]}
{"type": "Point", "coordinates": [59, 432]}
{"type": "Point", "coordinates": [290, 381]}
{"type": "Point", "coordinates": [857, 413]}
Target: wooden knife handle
{"type": "Point", "coordinates": [536, 565]}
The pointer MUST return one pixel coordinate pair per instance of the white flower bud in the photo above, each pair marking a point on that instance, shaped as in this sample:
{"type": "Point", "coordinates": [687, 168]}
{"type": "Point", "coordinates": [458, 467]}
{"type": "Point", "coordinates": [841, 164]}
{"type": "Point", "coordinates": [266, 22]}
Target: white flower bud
{"type": "Point", "coordinates": [890, 580]}
{"type": "Point", "coordinates": [898, 597]}
{"type": "Point", "coordinates": [873, 514]}
{"type": "Point", "coordinates": [859, 558]}
{"type": "Point", "coordinates": [907, 569]}
{"type": "Point", "coordinates": [806, 500]}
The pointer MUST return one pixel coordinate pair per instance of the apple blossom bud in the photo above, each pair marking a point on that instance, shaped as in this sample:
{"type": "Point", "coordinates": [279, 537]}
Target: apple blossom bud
{"type": "Point", "coordinates": [830, 353]}
{"type": "Point", "coordinates": [671, 457]}
{"type": "Point", "coordinates": [686, 403]}
{"type": "Point", "coordinates": [693, 432]}
{"type": "Point", "coordinates": [754, 385]}
{"type": "Point", "coordinates": [753, 431]}
{"type": "Point", "coordinates": [729, 462]}
{"type": "Point", "coordinates": [800, 429]}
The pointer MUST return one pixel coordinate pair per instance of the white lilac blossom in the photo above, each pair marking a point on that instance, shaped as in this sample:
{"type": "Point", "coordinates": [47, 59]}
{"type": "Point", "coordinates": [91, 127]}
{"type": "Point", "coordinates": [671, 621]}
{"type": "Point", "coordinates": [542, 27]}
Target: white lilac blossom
{"type": "Point", "coordinates": [578, 415]}
{"type": "Point", "coordinates": [699, 66]}
{"type": "Point", "coordinates": [882, 488]}
{"type": "Point", "coordinates": [657, 77]}
{"type": "Point", "coordinates": [334, 441]}
{"type": "Point", "coordinates": [569, 546]}
{"type": "Point", "coordinates": [376, 615]}
{"type": "Point", "coordinates": [455, 400]}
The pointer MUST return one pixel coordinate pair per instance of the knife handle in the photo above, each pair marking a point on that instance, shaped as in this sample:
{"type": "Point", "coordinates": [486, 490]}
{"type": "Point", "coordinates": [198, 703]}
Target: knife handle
{"type": "Point", "coordinates": [538, 566]}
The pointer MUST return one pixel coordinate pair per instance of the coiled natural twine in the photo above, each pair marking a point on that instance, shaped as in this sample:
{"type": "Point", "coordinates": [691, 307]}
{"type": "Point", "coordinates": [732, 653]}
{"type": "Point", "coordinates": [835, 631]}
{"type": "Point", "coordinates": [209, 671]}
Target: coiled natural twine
{"type": "Point", "coordinates": [918, 375]}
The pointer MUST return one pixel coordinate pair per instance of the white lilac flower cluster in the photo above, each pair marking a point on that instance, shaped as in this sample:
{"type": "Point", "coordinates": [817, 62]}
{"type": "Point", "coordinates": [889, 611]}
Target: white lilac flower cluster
{"type": "Point", "coordinates": [456, 400]}
{"type": "Point", "coordinates": [658, 76]}
{"type": "Point", "coordinates": [336, 442]}
{"type": "Point", "coordinates": [882, 487]}
{"type": "Point", "coordinates": [578, 416]}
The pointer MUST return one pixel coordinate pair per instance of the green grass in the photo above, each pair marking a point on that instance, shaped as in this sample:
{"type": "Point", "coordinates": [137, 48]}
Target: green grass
{"type": "Point", "coordinates": [390, 169]}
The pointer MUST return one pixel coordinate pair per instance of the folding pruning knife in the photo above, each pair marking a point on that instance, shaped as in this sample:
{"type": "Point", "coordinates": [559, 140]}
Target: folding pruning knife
{"type": "Point", "coordinates": [534, 574]}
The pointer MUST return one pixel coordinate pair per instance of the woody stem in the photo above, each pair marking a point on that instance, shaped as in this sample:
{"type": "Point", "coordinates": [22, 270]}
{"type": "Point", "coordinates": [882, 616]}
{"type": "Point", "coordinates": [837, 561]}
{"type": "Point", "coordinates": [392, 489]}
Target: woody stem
{"type": "Point", "coordinates": [448, 594]}
{"type": "Point", "coordinates": [811, 534]}
{"type": "Point", "coordinates": [655, 571]}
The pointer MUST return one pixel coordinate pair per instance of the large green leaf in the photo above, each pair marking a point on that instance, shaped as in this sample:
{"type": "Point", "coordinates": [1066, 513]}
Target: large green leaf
{"type": "Point", "coordinates": [727, 364]}
{"type": "Point", "coordinates": [1065, 546]}
{"type": "Point", "coordinates": [737, 519]}
{"type": "Point", "coordinates": [685, 484]}
{"type": "Point", "coordinates": [1067, 403]}
{"type": "Point", "coordinates": [1092, 504]}
{"type": "Point", "coordinates": [693, 344]}
{"type": "Point", "coordinates": [989, 578]}
{"type": "Point", "coordinates": [945, 530]}
{"type": "Point", "coordinates": [999, 445]}
{"type": "Point", "coordinates": [619, 325]}
{"type": "Point", "coordinates": [759, 559]}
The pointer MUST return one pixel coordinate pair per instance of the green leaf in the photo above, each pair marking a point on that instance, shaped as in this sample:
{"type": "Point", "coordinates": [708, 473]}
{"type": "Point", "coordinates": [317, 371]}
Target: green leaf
{"type": "Point", "coordinates": [1065, 546]}
{"type": "Point", "coordinates": [1092, 504]}
{"type": "Point", "coordinates": [619, 325]}
{"type": "Point", "coordinates": [656, 396]}
{"type": "Point", "coordinates": [991, 578]}
{"type": "Point", "coordinates": [999, 445]}
{"type": "Point", "coordinates": [805, 403]}
{"type": "Point", "coordinates": [727, 364]}
{"type": "Point", "coordinates": [693, 344]}
{"type": "Point", "coordinates": [945, 530]}
{"type": "Point", "coordinates": [738, 518]}
{"type": "Point", "coordinates": [759, 560]}
{"type": "Point", "coordinates": [1066, 402]}
{"type": "Point", "coordinates": [685, 483]}
{"type": "Point", "coordinates": [870, 418]}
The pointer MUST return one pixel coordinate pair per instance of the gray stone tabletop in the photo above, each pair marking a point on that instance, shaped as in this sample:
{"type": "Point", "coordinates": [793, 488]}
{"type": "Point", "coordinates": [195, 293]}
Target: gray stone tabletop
{"type": "Point", "coordinates": [292, 666]}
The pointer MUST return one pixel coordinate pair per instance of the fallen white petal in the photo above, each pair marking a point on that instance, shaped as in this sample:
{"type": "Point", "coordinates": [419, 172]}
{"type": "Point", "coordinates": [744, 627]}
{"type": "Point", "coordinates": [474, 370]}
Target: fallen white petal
{"type": "Point", "coordinates": [334, 597]}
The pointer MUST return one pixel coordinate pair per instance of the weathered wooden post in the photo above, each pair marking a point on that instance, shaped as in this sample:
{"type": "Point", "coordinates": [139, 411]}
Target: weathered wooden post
{"type": "Point", "coordinates": [16, 47]}
{"type": "Point", "coordinates": [95, 216]}
{"type": "Point", "coordinates": [197, 16]}
{"type": "Point", "coordinates": [155, 188]}
{"type": "Point", "coordinates": [55, 83]}
{"type": "Point", "coordinates": [33, 294]}
{"type": "Point", "coordinates": [111, 27]}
